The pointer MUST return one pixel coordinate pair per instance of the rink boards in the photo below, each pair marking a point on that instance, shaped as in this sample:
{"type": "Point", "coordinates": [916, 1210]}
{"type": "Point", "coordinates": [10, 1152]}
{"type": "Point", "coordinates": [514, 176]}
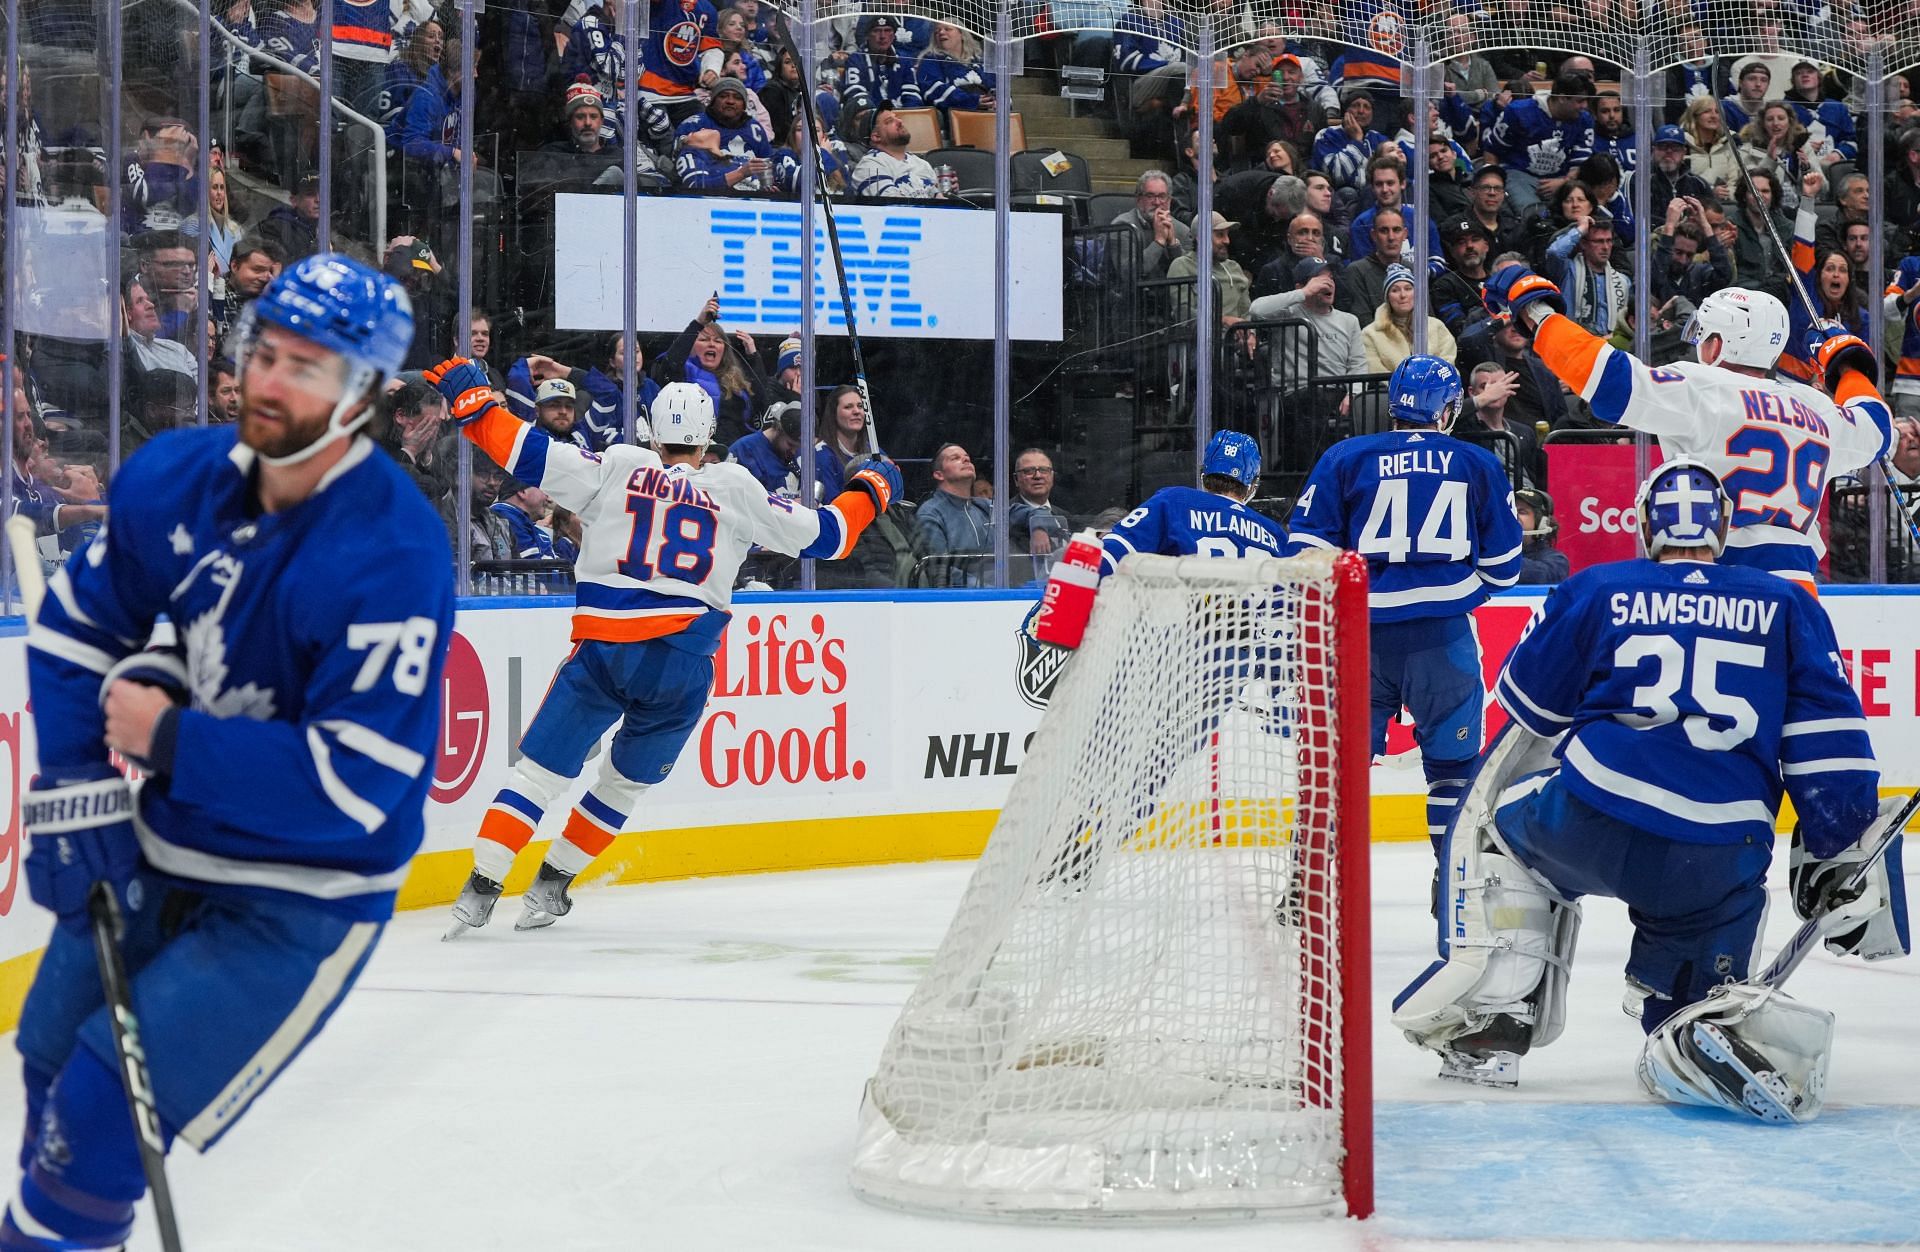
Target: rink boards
{"type": "Point", "coordinates": [844, 729]}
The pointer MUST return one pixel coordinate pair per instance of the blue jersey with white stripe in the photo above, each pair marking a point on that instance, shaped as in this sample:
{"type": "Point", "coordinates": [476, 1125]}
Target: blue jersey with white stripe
{"type": "Point", "coordinates": [1691, 693]}
{"type": "Point", "coordinates": [314, 639]}
{"type": "Point", "coordinates": [1433, 516]}
{"type": "Point", "coordinates": [1186, 521]}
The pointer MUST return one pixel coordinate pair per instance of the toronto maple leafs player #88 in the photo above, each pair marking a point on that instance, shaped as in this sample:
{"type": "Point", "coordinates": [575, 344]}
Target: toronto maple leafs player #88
{"type": "Point", "coordinates": [287, 739]}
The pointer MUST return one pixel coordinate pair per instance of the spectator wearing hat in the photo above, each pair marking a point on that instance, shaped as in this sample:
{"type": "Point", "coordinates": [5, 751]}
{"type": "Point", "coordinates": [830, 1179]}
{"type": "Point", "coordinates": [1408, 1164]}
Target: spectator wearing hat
{"type": "Point", "coordinates": [724, 149]}
{"type": "Point", "coordinates": [598, 391]}
{"type": "Point", "coordinates": [878, 77]}
{"type": "Point", "coordinates": [1673, 175]}
{"type": "Point", "coordinates": [523, 507]}
{"type": "Point", "coordinates": [1386, 189]}
{"type": "Point", "coordinates": [1580, 259]}
{"type": "Point", "coordinates": [1753, 88]}
{"type": "Point", "coordinates": [294, 227]}
{"type": "Point", "coordinates": [584, 114]}
{"type": "Point", "coordinates": [1363, 283]}
{"type": "Point", "coordinates": [1280, 110]}
{"type": "Point", "coordinates": [772, 453]}
{"type": "Point", "coordinates": [1333, 348]}
{"type": "Point", "coordinates": [556, 410]}
{"type": "Point", "coordinates": [786, 364]}
{"type": "Point", "coordinates": [1236, 288]}
{"type": "Point", "coordinates": [1457, 281]}
{"type": "Point", "coordinates": [1341, 152]}
{"type": "Point", "coordinates": [1541, 563]}
{"type": "Point", "coordinates": [1835, 139]}
{"type": "Point", "coordinates": [888, 170]}
{"type": "Point", "coordinates": [1388, 339]}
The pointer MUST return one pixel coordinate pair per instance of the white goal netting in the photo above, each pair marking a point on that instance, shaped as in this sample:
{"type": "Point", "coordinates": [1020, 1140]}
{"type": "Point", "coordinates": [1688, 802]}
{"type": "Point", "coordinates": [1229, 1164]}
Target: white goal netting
{"type": "Point", "coordinates": [1139, 1006]}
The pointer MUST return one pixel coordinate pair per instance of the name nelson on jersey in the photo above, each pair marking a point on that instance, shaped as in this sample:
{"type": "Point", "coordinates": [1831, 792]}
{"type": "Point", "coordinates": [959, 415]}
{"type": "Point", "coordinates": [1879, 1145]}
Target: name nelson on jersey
{"type": "Point", "coordinates": [1779, 410]}
{"type": "Point", "coordinates": [1744, 614]}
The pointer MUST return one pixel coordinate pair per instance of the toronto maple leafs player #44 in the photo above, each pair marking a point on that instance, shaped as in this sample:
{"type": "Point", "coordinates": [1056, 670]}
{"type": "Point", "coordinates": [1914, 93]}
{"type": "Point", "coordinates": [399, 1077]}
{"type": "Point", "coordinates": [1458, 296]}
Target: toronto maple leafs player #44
{"type": "Point", "coordinates": [287, 739]}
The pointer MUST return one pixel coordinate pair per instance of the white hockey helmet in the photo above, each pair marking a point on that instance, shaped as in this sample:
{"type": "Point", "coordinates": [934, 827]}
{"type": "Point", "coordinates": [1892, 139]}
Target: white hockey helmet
{"type": "Point", "coordinates": [1752, 327]}
{"type": "Point", "coordinates": [682, 416]}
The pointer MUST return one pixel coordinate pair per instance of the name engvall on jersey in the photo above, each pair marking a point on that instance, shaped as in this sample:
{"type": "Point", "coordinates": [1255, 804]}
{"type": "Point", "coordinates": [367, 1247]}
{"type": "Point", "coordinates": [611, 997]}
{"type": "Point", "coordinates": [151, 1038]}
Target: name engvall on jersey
{"type": "Point", "coordinates": [1687, 608]}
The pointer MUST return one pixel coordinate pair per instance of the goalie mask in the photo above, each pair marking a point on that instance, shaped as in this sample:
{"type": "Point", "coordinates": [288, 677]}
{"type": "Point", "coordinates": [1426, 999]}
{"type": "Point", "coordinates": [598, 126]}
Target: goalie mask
{"type": "Point", "coordinates": [1682, 505]}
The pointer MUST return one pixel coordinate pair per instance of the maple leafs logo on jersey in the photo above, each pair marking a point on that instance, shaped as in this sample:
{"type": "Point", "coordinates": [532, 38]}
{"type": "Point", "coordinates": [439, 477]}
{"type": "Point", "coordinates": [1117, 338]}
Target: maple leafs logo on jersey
{"type": "Point", "coordinates": [206, 644]}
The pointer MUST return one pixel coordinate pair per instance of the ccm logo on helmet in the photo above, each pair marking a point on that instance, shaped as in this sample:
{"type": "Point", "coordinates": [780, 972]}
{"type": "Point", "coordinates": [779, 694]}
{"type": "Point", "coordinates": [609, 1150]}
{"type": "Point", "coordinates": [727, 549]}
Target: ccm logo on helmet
{"type": "Point", "coordinates": [1613, 521]}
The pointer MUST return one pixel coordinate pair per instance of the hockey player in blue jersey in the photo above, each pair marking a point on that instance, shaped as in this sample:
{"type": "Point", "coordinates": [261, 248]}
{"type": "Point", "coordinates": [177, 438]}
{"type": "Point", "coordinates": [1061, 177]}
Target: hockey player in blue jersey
{"type": "Point", "coordinates": [1434, 517]}
{"type": "Point", "coordinates": [288, 737]}
{"type": "Point", "coordinates": [1210, 520]}
{"type": "Point", "coordinates": [1660, 708]}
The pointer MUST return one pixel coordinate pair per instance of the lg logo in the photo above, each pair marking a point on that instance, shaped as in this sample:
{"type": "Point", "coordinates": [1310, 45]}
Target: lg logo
{"type": "Point", "coordinates": [1593, 518]}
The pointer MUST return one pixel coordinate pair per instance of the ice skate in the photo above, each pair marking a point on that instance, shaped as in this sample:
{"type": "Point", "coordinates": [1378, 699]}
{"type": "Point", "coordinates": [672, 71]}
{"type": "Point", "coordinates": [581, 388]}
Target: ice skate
{"type": "Point", "coordinates": [1490, 1056]}
{"type": "Point", "coordinates": [1742, 1073]}
{"type": "Point", "coordinates": [546, 900]}
{"type": "Point", "coordinates": [475, 906]}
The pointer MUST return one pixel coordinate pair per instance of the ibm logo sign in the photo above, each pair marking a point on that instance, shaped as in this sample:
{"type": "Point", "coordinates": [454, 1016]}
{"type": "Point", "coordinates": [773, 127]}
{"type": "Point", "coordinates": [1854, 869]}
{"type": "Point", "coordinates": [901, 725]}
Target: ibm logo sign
{"type": "Point", "coordinates": [760, 266]}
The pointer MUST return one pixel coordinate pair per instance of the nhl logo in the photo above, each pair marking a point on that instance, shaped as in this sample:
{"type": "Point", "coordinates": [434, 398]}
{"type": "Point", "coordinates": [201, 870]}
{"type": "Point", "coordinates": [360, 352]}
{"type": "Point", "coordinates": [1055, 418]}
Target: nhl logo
{"type": "Point", "coordinates": [1039, 669]}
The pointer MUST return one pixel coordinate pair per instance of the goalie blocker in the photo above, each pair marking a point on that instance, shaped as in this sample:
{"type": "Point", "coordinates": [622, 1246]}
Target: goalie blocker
{"type": "Point", "coordinates": [1621, 777]}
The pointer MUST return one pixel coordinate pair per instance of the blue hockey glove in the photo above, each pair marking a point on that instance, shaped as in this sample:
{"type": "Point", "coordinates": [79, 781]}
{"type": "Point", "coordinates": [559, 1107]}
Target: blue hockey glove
{"type": "Point", "coordinates": [468, 391]}
{"type": "Point", "coordinates": [79, 833]}
{"type": "Point", "coordinates": [1513, 287]}
{"type": "Point", "coordinates": [879, 478]}
{"type": "Point", "coordinates": [1834, 350]}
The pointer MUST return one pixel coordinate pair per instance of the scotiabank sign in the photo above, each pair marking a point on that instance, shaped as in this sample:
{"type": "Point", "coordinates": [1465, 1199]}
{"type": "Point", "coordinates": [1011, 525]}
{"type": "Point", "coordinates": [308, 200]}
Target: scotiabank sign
{"type": "Point", "coordinates": [1593, 486]}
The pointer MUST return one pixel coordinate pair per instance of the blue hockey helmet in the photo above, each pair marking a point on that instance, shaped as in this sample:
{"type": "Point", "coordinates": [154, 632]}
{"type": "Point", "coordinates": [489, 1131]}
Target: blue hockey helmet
{"type": "Point", "coordinates": [1682, 505]}
{"type": "Point", "coordinates": [347, 307]}
{"type": "Point", "coordinates": [1425, 391]}
{"type": "Point", "coordinates": [1231, 454]}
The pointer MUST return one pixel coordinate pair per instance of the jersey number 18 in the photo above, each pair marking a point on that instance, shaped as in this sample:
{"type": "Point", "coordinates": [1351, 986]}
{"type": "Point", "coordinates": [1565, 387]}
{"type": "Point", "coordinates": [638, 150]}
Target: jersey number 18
{"type": "Point", "coordinates": [669, 541]}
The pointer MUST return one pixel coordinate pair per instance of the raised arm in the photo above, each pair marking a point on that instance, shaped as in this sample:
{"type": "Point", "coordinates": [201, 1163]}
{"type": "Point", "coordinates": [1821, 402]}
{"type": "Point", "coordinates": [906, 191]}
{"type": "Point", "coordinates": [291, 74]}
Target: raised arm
{"type": "Point", "coordinates": [565, 471]}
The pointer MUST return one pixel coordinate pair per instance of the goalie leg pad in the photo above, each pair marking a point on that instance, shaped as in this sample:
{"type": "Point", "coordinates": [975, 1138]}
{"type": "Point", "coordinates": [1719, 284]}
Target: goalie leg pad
{"type": "Point", "coordinates": [1506, 941]}
{"type": "Point", "coordinates": [1873, 925]}
{"type": "Point", "coordinates": [1747, 1049]}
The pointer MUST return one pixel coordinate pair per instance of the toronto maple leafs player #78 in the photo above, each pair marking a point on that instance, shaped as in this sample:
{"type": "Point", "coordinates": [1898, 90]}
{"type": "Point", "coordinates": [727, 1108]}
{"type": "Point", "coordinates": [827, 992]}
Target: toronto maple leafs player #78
{"type": "Point", "coordinates": [287, 738]}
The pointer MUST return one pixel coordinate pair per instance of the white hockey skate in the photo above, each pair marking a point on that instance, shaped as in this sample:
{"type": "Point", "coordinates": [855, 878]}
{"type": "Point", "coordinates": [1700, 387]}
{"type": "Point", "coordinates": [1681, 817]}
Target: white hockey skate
{"type": "Point", "coordinates": [1742, 1074]}
{"type": "Point", "coordinates": [546, 900]}
{"type": "Point", "coordinates": [475, 906]}
{"type": "Point", "coordinates": [1489, 1057]}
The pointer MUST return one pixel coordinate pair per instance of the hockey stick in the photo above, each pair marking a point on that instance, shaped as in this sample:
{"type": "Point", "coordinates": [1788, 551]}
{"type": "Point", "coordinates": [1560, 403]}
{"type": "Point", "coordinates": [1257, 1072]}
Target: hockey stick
{"type": "Point", "coordinates": [825, 201]}
{"type": "Point", "coordinates": [1814, 318]}
{"type": "Point", "coordinates": [104, 912]}
{"type": "Point", "coordinates": [1824, 923]}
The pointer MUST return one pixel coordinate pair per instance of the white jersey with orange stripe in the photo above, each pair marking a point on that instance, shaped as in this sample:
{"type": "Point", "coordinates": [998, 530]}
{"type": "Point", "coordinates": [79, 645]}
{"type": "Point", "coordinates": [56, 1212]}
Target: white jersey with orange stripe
{"type": "Point", "coordinates": [1774, 443]}
{"type": "Point", "coordinates": [662, 544]}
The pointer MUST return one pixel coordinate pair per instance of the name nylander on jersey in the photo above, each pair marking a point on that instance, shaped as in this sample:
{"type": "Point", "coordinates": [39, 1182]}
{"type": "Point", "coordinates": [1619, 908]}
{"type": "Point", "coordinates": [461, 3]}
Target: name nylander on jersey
{"type": "Point", "coordinates": [1432, 514]}
{"type": "Point", "coordinates": [1186, 521]}
{"type": "Point", "coordinates": [1691, 694]}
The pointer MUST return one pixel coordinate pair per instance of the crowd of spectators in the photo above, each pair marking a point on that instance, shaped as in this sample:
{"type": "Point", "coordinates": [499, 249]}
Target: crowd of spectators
{"type": "Point", "coordinates": [1528, 155]}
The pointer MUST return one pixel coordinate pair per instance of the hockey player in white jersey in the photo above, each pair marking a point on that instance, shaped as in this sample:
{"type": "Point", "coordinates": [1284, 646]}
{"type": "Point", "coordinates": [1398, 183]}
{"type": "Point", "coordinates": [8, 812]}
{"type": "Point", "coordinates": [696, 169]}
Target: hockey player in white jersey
{"type": "Point", "coordinates": [664, 538]}
{"type": "Point", "coordinates": [1660, 710]}
{"type": "Point", "coordinates": [1774, 443]}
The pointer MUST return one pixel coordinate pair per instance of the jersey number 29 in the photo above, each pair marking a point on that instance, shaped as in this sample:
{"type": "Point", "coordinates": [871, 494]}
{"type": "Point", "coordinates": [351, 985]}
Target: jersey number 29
{"type": "Point", "coordinates": [1443, 531]}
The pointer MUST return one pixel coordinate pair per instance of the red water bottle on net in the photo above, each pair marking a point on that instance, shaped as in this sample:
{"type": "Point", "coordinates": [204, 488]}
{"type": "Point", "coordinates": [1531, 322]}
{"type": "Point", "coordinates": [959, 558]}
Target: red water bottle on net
{"type": "Point", "coordinates": [1068, 600]}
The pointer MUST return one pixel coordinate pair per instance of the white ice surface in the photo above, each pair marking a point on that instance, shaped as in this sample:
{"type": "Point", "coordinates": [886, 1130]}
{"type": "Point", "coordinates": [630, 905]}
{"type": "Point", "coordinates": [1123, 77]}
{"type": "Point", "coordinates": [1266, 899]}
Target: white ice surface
{"type": "Point", "coordinates": [677, 1066]}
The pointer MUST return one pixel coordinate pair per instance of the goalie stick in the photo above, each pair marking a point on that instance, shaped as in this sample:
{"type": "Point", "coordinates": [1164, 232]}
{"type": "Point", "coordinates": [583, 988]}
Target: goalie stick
{"type": "Point", "coordinates": [1827, 920]}
{"type": "Point", "coordinates": [104, 912]}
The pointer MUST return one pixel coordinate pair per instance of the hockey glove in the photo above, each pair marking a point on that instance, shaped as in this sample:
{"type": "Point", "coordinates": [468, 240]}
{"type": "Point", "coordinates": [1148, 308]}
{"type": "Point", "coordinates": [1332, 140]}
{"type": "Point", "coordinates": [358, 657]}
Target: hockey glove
{"type": "Point", "coordinates": [879, 478]}
{"type": "Point", "coordinates": [1835, 350]}
{"type": "Point", "coordinates": [1513, 287]}
{"type": "Point", "coordinates": [1880, 909]}
{"type": "Point", "coordinates": [466, 387]}
{"type": "Point", "coordinates": [79, 833]}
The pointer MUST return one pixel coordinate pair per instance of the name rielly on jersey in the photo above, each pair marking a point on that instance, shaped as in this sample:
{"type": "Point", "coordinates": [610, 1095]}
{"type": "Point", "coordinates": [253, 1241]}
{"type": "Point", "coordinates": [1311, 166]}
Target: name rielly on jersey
{"type": "Point", "coordinates": [1744, 614]}
{"type": "Point", "coordinates": [1221, 522]}
{"type": "Point", "coordinates": [1425, 461]}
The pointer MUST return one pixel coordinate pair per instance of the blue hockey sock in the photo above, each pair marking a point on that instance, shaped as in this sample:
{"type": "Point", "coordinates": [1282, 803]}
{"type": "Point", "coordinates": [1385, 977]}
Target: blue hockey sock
{"type": "Point", "coordinates": [1446, 785]}
{"type": "Point", "coordinates": [37, 1081]}
{"type": "Point", "coordinates": [79, 1190]}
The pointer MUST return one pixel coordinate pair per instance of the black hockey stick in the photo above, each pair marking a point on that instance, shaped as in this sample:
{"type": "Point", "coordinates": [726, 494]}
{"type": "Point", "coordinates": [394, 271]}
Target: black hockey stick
{"type": "Point", "coordinates": [814, 139]}
{"type": "Point", "coordinates": [1814, 318]}
{"type": "Point", "coordinates": [103, 910]}
{"type": "Point", "coordinates": [1827, 920]}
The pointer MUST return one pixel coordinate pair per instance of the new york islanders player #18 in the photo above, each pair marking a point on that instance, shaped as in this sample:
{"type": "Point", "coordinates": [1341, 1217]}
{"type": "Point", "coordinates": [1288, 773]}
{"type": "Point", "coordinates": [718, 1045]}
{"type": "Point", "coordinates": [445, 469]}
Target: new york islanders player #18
{"type": "Point", "coordinates": [288, 737]}
{"type": "Point", "coordinates": [1434, 517]}
{"type": "Point", "coordinates": [1772, 442]}
{"type": "Point", "coordinates": [664, 539]}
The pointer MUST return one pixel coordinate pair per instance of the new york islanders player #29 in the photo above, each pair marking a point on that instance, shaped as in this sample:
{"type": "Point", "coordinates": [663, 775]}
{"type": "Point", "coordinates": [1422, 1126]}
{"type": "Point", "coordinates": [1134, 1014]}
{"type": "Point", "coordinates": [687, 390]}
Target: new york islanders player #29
{"type": "Point", "coordinates": [1773, 442]}
{"type": "Point", "coordinates": [1434, 517]}
{"type": "Point", "coordinates": [288, 737]}
{"type": "Point", "coordinates": [664, 539]}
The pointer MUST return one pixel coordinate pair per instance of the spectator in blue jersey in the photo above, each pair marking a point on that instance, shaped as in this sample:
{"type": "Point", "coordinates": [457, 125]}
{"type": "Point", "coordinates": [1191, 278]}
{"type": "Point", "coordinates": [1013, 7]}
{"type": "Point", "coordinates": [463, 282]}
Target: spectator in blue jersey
{"type": "Point", "coordinates": [556, 410]}
{"type": "Point", "coordinates": [728, 372]}
{"type": "Point", "coordinates": [950, 74]}
{"type": "Point", "coordinates": [161, 189]}
{"type": "Point", "coordinates": [844, 435]}
{"type": "Point", "coordinates": [772, 453]}
{"type": "Point", "coordinates": [407, 71]}
{"type": "Point", "coordinates": [522, 507]}
{"type": "Point", "coordinates": [878, 78]}
{"type": "Point", "coordinates": [734, 30]}
{"type": "Point", "coordinates": [430, 128]}
{"type": "Point", "coordinates": [291, 32]}
{"type": "Point", "coordinates": [1540, 144]}
{"type": "Point", "coordinates": [1828, 123]}
{"type": "Point", "coordinates": [1600, 175]}
{"type": "Point", "coordinates": [1147, 38]}
{"type": "Point", "coordinates": [955, 523]}
{"type": "Point", "coordinates": [723, 149]}
{"type": "Point", "coordinates": [1434, 518]}
{"type": "Point", "coordinates": [1753, 88]}
{"type": "Point", "coordinates": [1386, 188]}
{"type": "Point", "coordinates": [1613, 131]}
{"type": "Point", "coordinates": [1342, 152]}
{"type": "Point", "coordinates": [888, 170]}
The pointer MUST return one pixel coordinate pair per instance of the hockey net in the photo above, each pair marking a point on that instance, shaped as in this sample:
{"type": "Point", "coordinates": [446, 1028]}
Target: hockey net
{"type": "Point", "coordinates": [1153, 997]}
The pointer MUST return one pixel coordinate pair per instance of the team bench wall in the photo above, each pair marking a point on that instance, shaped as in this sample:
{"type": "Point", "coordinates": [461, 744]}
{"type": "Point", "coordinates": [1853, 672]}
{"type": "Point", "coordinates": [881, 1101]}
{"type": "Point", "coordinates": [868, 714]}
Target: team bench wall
{"type": "Point", "coordinates": [845, 729]}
